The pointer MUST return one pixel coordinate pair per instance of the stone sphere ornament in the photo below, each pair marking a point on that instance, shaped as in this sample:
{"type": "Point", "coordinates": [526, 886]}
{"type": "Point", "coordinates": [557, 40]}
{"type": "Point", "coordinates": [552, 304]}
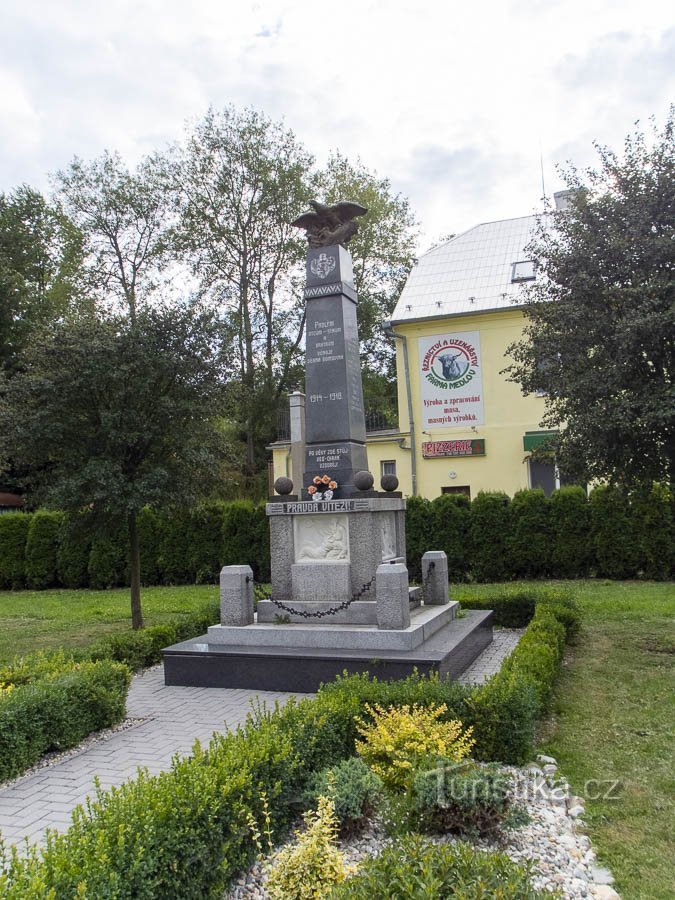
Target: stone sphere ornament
{"type": "Point", "coordinates": [283, 486]}
{"type": "Point", "coordinates": [364, 480]}
{"type": "Point", "coordinates": [389, 483]}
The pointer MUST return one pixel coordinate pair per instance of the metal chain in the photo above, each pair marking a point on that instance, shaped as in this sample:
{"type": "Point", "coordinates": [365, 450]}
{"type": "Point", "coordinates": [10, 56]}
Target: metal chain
{"type": "Point", "coordinates": [264, 593]}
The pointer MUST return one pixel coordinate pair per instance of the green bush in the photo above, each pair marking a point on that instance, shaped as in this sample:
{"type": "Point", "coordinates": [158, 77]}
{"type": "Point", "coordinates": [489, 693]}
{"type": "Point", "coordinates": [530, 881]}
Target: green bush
{"type": "Point", "coordinates": [615, 538]}
{"type": "Point", "coordinates": [13, 536]}
{"type": "Point", "coordinates": [464, 798]}
{"type": "Point", "coordinates": [42, 549]}
{"type": "Point", "coordinates": [206, 554]}
{"type": "Point", "coordinates": [418, 533]}
{"type": "Point", "coordinates": [652, 514]}
{"type": "Point", "coordinates": [57, 710]}
{"type": "Point", "coordinates": [488, 535]}
{"type": "Point", "coordinates": [450, 521]}
{"type": "Point", "coordinates": [528, 540]}
{"type": "Point", "coordinates": [174, 547]}
{"type": "Point", "coordinates": [514, 607]}
{"type": "Point", "coordinates": [353, 788]}
{"type": "Point", "coordinates": [184, 834]}
{"type": "Point", "coordinates": [571, 545]}
{"type": "Point", "coordinates": [245, 538]}
{"type": "Point", "coordinates": [107, 566]}
{"type": "Point", "coordinates": [415, 867]}
{"type": "Point", "coordinates": [178, 835]}
{"type": "Point", "coordinates": [138, 649]}
{"type": "Point", "coordinates": [72, 560]}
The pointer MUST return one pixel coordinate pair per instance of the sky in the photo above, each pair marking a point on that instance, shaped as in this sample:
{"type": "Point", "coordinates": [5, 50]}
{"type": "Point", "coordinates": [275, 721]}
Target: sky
{"type": "Point", "coordinates": [459, 105]}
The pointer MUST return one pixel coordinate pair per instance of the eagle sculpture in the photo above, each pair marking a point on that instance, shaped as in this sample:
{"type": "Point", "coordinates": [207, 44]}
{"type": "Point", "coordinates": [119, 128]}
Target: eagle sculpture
{"type": "Point", "coordinates": [330, 224]}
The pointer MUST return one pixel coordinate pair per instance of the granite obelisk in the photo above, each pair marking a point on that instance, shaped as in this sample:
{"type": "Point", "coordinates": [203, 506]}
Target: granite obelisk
{"type": "Point", "coordinates": [335, 421]}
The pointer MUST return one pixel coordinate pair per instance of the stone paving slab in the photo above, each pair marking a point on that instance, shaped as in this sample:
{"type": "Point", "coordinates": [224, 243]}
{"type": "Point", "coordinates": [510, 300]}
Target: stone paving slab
{"type": "Point", "coordinates": [170, 720]}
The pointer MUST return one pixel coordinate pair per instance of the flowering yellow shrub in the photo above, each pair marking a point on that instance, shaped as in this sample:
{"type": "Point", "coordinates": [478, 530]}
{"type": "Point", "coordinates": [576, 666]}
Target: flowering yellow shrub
{"type": "Point", "coordinates": [5, 689]}
{"type": "Point", "coordinates": [402, 739]}
{"type": "Point", "coordinates": [311, 867]}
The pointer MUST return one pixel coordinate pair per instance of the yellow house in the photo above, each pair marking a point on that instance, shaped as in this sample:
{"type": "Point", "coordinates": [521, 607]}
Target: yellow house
{"type": "Point", "coordinates": [463, 427]}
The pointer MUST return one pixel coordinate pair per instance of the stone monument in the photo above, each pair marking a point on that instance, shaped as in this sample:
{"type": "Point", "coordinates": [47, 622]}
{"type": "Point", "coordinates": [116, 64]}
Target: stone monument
{"type": "Point", "coordinates": [340, 595]}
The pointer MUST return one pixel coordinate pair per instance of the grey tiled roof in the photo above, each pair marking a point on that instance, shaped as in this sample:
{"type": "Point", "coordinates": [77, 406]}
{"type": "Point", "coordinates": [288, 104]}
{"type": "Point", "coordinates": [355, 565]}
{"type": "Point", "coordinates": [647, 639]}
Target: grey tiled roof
{"type": "Point", "coordinates": [470, 273]}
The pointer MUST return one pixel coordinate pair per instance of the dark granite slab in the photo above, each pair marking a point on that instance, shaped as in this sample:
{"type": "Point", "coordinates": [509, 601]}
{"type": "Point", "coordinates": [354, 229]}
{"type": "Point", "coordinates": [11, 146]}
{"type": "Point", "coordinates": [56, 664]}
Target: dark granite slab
{"type": "Point", "coordinates": [450, 651]}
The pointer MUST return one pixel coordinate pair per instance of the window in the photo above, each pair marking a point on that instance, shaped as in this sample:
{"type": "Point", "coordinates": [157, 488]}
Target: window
{"type": "Point", "coordinates": [457, 489]}
{"type": "Point", "coordinates": [388, 467]}
{"type": "Point", "coordinates": [522, 271]}
{"type": "Point", "coordinates": [543, 475]}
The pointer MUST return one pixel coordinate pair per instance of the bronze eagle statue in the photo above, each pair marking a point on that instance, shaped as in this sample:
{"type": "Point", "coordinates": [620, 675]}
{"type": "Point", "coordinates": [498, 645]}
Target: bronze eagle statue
{"type": "Point", "coordinates": [330, 224]}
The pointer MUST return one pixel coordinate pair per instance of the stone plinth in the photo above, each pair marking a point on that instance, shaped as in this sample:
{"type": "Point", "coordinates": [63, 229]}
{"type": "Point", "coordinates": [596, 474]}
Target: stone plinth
{"type": "Point", "coordinates": [328, 551]}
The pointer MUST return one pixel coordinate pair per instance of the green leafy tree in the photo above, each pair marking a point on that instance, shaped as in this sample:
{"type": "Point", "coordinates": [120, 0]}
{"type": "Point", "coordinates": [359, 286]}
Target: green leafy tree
{"type": "Point", "coordinates": [602, 316]}
{"type": "Point", "coordinates": [40, 256]}
{"type": "Point", "coordinates": [123, 217]}
{"type": "Point", "coordinates": [114, 415]}
{"type": "Point", "coordinates": [383, 252]}
{"type": "Point", "coordinates": [239, 182]}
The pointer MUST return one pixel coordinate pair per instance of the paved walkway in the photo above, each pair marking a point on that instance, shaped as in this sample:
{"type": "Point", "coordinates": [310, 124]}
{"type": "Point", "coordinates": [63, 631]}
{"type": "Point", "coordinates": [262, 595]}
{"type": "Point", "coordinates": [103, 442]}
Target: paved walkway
{"type": "Point", "coordinates": [172, 719]}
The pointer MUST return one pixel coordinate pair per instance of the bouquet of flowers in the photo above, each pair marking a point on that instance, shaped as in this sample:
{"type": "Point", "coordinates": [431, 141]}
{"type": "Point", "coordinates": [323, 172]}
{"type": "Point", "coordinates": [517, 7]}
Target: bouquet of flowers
{"type": "Point", "coordinates": [322, 488]}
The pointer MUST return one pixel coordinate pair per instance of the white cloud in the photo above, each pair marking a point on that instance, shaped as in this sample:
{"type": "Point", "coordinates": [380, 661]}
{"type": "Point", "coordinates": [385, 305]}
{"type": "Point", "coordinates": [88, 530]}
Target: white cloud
{"type": "Point", "coordinates": [450, 101]}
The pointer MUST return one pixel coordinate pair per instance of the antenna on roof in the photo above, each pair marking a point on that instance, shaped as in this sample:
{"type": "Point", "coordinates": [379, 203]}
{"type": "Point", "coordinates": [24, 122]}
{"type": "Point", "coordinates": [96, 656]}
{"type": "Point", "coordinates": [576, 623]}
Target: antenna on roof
{"type": "Point", "coordinates": [541, 163]}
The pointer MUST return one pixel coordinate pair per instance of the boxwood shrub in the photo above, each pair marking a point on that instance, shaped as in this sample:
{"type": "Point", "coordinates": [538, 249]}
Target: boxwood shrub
{"type": "Point", "coordinates": [56, 708]}
{"type": "Point", "coordinates": [185, 833]}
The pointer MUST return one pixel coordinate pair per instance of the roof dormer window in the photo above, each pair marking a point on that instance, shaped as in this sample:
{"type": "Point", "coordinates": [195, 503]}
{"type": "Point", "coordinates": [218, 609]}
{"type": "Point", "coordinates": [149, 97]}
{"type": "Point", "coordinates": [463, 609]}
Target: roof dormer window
{"type": "Point", "coordinates": [523, 270]}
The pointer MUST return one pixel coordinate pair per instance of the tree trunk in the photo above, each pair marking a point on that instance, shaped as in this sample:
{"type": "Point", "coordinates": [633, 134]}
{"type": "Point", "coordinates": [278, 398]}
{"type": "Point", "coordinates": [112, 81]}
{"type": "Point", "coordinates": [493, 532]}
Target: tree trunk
{"type": "Point", "coordinates": [135, 573]}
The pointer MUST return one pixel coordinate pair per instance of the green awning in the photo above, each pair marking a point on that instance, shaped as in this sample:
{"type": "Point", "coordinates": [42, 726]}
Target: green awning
{"type": "Point", "coordinates": [534, 439]}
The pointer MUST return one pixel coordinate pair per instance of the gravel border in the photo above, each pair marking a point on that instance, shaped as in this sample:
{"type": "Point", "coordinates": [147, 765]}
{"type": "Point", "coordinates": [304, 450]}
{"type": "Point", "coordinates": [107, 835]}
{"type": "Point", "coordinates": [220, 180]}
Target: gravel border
{"type": "Point", "coordinates": [553, 843]}
{"type": "Point", "coordinates": [58, 756]}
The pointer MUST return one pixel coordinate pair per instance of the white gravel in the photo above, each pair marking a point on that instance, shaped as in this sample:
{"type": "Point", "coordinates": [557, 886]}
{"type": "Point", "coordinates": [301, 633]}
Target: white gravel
{"type": "Point", "coordinates": [553, 842]}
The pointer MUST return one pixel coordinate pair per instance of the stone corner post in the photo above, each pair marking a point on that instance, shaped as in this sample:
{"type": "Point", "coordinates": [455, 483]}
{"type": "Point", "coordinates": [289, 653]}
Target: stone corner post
{"type": "Point", "coordinates": [435, 578]}
{"type": "Point", "coordinates": [236, 595]}
{"type": "Point", "coordinates": [391, 596]}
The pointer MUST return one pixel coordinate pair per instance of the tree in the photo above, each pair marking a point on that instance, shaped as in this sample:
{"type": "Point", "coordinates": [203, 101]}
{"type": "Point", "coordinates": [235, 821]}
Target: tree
{"type": "Point", "coordinates": [112, 415]}
{"type": "Point", "coordinates": [239, 182]}
{"type": "Point", "coordinates": [383, 251]}
{"type": "Point", "coordinates": [599, 339]}
{"type": "Point", "coordinates": [40, 257]}
{"type": "Point", "coordinates": [123, 217]}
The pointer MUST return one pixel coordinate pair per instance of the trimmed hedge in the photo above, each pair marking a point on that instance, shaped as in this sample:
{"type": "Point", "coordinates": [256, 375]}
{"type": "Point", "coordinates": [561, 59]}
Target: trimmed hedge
{"type": "Point", "coordinates": [613, 534]}
{"type": "Point", "coordinates": [42, 549]}
{"type": "Point", "coordinates": [450, 524]}
{"type": "Point", "coordinates": [490, 520]}
{"type": "Point", "coordinates": [528, 540]}
{"type": "Point", "coordinates": [185, 833]}
{"type": "Point", "coordinates": [73, 552]}
{"type": "Point", "coordinates": [13, 537]}
{"type": "Point", "coordinates": [141, 648]}
{"type": "Point", "coordinates": [571, 549]}
{"type": "Point", "coordinates": [615, 537]}
{"type": "Point", "coordinates": [58, 708]}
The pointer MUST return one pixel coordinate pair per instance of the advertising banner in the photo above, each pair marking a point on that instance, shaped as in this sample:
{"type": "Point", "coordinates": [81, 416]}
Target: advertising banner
{"type": "Point", "coordinates": [451, 380]}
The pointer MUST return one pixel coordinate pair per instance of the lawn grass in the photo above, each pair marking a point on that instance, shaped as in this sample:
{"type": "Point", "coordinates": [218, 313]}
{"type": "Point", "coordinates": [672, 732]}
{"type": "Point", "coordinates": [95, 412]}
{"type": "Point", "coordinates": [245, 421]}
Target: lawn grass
{"type": "Point", "coordinates": [613, 721]}
{"type": "Point", "coordinates": [613, 716]}
{"type": "Point", "coordinates": [48, 620]}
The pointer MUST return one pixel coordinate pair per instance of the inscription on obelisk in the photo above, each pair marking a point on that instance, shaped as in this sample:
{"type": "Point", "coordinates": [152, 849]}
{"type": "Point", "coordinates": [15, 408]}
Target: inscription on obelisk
{"type": "Point", "coordinates": [335, 421]}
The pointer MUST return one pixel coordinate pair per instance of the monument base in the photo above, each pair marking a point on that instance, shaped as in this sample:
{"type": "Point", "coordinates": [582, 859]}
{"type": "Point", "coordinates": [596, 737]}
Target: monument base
{"type": "Point", "coordinates": [448, 650]}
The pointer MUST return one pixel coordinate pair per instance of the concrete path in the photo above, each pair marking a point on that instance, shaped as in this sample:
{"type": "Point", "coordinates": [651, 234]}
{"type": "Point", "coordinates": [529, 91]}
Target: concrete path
{"type": "Point", "coordinates": [171, 719]}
